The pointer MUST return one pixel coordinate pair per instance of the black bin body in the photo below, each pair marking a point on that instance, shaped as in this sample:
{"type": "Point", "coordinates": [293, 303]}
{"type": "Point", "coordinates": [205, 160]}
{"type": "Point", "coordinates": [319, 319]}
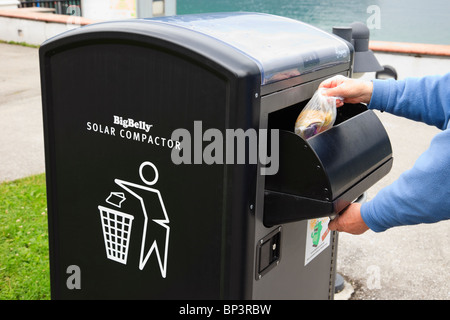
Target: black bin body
{"type": "Point", "coordinates": [136, 225]}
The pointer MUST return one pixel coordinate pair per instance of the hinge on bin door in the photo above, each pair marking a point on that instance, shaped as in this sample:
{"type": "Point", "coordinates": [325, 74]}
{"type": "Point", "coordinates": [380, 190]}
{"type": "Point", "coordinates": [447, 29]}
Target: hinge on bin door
{"type": "Point", "coordinates": [332, 265]}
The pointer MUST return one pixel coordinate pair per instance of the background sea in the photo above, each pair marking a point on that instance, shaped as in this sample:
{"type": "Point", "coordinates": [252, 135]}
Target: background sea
{"type": "Point", "coordinates": [417, 21]}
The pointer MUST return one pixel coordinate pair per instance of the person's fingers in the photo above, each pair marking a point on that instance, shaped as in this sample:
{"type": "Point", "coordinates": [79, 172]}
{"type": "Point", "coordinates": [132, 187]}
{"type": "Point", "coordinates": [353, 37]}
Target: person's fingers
{"type": "Point", "coordinates": [349, 221]}
{"type": "Point", "coordinates": [332, 92]}
{"type": "Point", "coordinates": [333, 224]}
{"type": "Point", "coordinates": [332, 82]}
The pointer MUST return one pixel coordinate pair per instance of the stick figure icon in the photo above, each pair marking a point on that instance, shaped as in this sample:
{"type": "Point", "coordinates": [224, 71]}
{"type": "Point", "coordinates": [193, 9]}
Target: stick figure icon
{"type": "Point", "coordinates": [117, 225]}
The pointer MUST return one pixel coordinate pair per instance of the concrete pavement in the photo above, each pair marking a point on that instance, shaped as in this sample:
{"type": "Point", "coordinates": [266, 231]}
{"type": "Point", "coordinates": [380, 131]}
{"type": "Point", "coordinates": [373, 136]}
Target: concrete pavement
{"type": "Point", "coordinates": [401, 263]}
{"type": "Point", "coordinates": [21, 133]}
{"type": "Point", "coordinates": [410, 262]}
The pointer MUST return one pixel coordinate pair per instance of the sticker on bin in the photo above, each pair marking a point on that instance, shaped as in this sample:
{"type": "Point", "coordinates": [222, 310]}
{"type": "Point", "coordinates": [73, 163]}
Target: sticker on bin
{"type": "Point", "coordinates": [147, 213]}
{"type": "Point", "coordinates": [317, 238]}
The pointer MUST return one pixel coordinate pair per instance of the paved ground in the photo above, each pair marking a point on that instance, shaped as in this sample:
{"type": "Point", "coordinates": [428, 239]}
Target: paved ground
{"type": "Point", "coordinates": [401, 263]}
{"type": "Point", "coordinates": [410, 262]}
{"type": "Point", "coordinates": [21, 136]}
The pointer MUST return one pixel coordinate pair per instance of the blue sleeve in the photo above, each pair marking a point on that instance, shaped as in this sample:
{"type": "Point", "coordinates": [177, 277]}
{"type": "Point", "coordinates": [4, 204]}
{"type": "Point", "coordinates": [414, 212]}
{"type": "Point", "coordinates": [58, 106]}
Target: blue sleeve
{"type": "Point", "coordinates": [424, 99]}
{"type": "Point", "coordinates": [421, 194]}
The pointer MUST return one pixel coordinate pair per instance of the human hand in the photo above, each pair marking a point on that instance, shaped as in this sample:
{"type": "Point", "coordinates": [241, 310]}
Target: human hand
{"type": "Point", "coordinates": [349, 221]}
{"type": "Point", "coordinates": [352, 90]}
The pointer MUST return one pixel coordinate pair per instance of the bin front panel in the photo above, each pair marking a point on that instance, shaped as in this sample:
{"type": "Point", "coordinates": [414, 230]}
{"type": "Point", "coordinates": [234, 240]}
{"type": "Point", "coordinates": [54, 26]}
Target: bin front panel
{"type": "Point", "coordinates": [136, 224]}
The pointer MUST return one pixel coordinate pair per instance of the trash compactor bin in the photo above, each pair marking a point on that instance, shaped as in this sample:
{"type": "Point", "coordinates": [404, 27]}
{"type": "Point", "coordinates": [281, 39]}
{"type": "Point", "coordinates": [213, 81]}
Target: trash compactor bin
{"type": "Point", "coordinates": [172, 168]}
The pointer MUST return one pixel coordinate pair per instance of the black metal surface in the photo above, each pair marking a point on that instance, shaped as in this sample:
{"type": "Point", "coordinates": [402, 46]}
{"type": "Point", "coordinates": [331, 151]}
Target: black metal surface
{"type": "Point", "coordinates": [127, 69]}
{"type": "Point", "coordinates": [322, 175]}
{"type": "Point", "coordinates": [170, 77]}
{"type": "Point", "coordinates": [351, 150]}
{"type": "Point", "coordinates": [282, 208]}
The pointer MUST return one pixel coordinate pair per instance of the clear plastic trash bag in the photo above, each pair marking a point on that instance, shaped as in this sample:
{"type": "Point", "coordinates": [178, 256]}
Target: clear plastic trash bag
{"type": "Point", "coordinates": [317, 116]}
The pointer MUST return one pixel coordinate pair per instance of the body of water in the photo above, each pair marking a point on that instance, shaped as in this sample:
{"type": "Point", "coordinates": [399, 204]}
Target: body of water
{"type": "Point", "coordinates": [417, 21]}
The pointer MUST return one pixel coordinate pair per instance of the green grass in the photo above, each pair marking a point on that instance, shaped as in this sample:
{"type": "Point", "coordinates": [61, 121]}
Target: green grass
{"type": "Point", "coordinates": [21, 44]}
{"type": "Point", "coordinates": [24, 257]}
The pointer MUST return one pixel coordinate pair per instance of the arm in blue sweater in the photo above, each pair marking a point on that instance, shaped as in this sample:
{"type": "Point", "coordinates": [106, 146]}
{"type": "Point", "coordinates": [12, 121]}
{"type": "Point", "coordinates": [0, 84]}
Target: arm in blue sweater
{"type": "Point", "coordinates": [421, 194]}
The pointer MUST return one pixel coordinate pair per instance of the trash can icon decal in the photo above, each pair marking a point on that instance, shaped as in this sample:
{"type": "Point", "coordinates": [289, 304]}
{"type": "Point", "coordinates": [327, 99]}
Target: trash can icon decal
{"type": "Point", "coordinates": [116, 232]}
{"type": "Point", "coordinates": [117, 225]}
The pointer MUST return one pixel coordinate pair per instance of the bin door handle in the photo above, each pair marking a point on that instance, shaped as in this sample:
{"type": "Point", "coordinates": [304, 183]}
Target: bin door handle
{"type": "Point", "coordinates": [361, 199]}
